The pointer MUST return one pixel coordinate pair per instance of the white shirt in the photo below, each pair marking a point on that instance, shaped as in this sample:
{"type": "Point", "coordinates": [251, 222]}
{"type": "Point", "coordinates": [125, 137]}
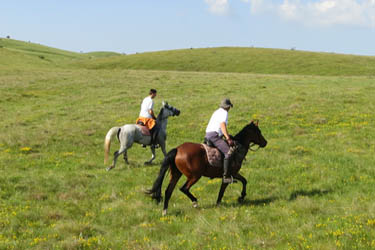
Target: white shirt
{"type": "Point", "coordinates": [219, 116]}
{"type": "Point", "coordinates": [147, 105]}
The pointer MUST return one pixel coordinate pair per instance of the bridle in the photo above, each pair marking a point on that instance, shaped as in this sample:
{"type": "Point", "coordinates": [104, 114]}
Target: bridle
{"type": "Point", "coordinates": [251, 145]}
{"type": "Point", "coordinates": [170, 108]}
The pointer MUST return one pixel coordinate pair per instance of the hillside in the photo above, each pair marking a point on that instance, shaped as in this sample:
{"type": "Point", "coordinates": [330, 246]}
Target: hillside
{"type": "Point", "coordinates": [25, 55]}
{"type": "Point", "coordinates": [242, 60]}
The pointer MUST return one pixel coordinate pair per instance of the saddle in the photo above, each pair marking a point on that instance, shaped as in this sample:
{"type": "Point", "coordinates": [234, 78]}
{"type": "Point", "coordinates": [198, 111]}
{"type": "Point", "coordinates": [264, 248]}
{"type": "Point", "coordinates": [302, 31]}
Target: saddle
{"type": "Point", "coordinates": [214, 156]}
{"type": "Point", "coordinates": [144, 130]}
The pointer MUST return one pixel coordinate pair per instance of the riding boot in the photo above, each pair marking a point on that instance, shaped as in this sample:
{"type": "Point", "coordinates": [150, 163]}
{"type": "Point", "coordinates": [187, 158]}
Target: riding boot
{"type": "Point", "coordinates": [153, 135]}
{"type": "Point", "coordinates": [227, 165]}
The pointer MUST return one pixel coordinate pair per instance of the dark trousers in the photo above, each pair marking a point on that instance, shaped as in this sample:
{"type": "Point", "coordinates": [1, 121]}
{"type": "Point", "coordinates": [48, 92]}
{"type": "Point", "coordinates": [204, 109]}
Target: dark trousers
{"type": "Point", "coordinates": [219, 143]}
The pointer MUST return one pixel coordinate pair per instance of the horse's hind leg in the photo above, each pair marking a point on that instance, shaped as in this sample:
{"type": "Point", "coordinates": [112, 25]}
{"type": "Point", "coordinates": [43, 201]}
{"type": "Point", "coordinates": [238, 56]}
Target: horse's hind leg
{"type": "Point", "coordinates": [175, 176]}
{"type": "Point", "coordinates": [116, 155]}
{"type": "Point", "coordinates": [126, 157]}
{"type": "Point", "coordinates": [186, 187]}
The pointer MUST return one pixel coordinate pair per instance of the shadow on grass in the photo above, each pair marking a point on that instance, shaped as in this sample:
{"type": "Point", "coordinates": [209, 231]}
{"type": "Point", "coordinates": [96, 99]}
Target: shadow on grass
{"type": "Point", "coordinates": [133, 165]}
{"type": "Point", "coordinates": [153, 164]}
{"type": "Point", "coordinates": [267, 201]}
{"type": "Point", "coordinates": [314, 192]}
{"type": "Point", "coordinates": [258, 202]}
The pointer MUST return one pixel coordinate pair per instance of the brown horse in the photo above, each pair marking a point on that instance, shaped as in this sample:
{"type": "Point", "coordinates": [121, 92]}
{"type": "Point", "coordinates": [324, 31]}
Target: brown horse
{"type": "Point", "coordinates": [191, 160]}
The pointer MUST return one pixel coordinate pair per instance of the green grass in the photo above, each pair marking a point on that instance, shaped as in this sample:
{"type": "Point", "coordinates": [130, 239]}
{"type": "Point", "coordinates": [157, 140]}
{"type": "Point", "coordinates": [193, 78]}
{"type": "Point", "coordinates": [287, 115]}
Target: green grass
{"type": "Point", "coordinates": [242, 60]}
{"type": "Point", "coordinates": [311, 187]}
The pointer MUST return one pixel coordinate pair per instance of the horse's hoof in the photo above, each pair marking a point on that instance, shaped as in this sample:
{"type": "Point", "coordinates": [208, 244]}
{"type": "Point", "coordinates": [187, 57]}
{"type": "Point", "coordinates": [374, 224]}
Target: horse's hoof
{"type": "Point", "coordinates": [147, 163]}
{"type": "Point", "coordinates": [148, 191]}
{"type": "Point", "coordinates": [195, 204]}
{"type": "Point", "coordinates": [241, 199]}
{"type": "Point", "coordinates": [164, 213]}
{"type": "Point", "coordinates": [109, 168]}
{"type": "Point", "coordinates": [158, 199]}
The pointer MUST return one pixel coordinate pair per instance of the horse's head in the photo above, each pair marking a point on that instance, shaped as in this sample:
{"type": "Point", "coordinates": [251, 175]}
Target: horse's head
{"type": "Point", "coordinates": [251, 134]}
{"type": "Point", "coordinates": [168, 110]}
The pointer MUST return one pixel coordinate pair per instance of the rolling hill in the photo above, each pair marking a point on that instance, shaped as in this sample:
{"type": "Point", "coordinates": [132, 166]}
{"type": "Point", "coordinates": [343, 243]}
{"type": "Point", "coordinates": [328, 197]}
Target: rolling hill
{"type": "Point", "coordinates": [16, 54]}
{"type": "Point", "coordinates": [242, 60]}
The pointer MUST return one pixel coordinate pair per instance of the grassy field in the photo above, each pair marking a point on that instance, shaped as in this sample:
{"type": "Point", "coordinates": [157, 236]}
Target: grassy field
{"type": "Point", "coordinates": [310, 188]}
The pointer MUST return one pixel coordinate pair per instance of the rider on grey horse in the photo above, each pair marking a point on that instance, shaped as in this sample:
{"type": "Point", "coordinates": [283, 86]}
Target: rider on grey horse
{"type": "Point", "coordinates": [216, 129]}
{"type": "Point", "coordinates": [130, 133]}
{"type": "Point", "coordinates": [146, 115]}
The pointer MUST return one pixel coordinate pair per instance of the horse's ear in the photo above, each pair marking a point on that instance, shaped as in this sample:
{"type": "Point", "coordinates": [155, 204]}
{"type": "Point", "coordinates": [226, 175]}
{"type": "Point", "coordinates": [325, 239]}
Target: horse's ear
{"type": "Point", "coordinates": [255, 122]}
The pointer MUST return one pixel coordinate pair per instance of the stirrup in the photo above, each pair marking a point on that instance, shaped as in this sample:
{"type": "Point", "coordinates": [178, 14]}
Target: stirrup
{"type": "Point", "coordinates": [229, 180]}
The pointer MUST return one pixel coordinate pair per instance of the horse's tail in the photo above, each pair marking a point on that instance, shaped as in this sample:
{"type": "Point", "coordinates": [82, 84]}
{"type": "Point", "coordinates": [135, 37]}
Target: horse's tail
{"type": "Point", "coordinates": [107, 142]}
{"type": "Point", "coordinates": [168, 162]}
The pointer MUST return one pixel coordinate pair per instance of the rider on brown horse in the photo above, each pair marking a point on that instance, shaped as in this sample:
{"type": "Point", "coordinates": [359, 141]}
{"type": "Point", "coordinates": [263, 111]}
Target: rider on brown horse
{"type": "Point", "coordinates": [216, 130]}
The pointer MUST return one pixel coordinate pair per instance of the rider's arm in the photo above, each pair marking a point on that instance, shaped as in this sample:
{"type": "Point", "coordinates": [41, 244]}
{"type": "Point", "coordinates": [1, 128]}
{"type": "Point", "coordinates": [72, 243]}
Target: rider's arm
{"type": "Point", "coordinates": [151, 112]}
{"type": "Point", "coordinates": [223, 127]}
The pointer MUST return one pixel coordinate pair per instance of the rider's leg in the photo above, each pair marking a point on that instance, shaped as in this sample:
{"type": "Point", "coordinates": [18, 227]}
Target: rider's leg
{"type": "Point", "coordinates": [227, 178]}
{"type": "Point", "coordinates": [224, 148]}
{"type": "Point", "coordinates": [153, 133]}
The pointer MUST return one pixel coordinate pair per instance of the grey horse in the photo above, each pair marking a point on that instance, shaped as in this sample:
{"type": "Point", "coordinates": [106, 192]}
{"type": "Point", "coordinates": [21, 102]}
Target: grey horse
{"type": "Point", "coordinates": [130, 133]}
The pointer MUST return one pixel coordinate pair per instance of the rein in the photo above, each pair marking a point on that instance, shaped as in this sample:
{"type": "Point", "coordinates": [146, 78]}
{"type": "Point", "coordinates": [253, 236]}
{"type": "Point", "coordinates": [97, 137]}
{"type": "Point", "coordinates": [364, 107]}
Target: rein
{"type": "Point", "coordinates": [248, 148]}
{"type": "Point", "coordinates": [251, 145]}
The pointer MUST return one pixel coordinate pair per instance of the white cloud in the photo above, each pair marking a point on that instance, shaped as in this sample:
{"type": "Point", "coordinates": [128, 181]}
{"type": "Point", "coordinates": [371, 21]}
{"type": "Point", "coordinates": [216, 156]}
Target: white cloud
{"type": "Point", "coordinates": [321, 12]}
{"type": "Point", "coordinates": [218, 7]}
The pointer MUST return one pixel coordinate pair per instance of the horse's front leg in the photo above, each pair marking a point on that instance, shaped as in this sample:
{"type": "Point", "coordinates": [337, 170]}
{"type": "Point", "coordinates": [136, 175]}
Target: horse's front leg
{"type": "Point", "coordinates": [244, 182]}
{"type": "Point", "coordinates": [153, 155]}
{"type": "Point", "coordinates": [162, 146]}
{"type": "Point", "coordinates": [221, 192]}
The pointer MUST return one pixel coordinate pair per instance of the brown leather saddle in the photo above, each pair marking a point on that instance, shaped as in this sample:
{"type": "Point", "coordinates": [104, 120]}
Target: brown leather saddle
{"type": "Point", "coordinates": [214, 156]}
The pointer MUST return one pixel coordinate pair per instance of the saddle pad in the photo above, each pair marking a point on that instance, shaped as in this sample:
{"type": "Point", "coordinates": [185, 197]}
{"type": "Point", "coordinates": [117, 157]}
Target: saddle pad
{"type": "Point", "coordinates": [214, 156]}
{"type": "Point", "coordinates": [144, 130]}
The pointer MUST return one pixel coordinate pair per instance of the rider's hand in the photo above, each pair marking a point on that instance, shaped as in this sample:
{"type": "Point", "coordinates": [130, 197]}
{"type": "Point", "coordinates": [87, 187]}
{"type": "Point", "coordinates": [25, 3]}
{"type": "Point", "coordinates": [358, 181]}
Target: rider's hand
{"type": "Point", "coordinates": [230, 142]}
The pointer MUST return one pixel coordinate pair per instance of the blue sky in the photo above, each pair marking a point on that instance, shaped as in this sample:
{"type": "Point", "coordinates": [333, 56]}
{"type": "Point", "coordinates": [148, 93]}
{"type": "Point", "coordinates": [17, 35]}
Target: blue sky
{"type": "Point", "coordinates": [129, 26]}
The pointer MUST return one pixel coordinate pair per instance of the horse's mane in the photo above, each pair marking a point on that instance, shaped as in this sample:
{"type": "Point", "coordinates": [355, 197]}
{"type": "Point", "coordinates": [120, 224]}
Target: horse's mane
{"type": "Point", "coordinates": [160, 115]}
{"type": "Point", "coordinates": [242, 135]}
